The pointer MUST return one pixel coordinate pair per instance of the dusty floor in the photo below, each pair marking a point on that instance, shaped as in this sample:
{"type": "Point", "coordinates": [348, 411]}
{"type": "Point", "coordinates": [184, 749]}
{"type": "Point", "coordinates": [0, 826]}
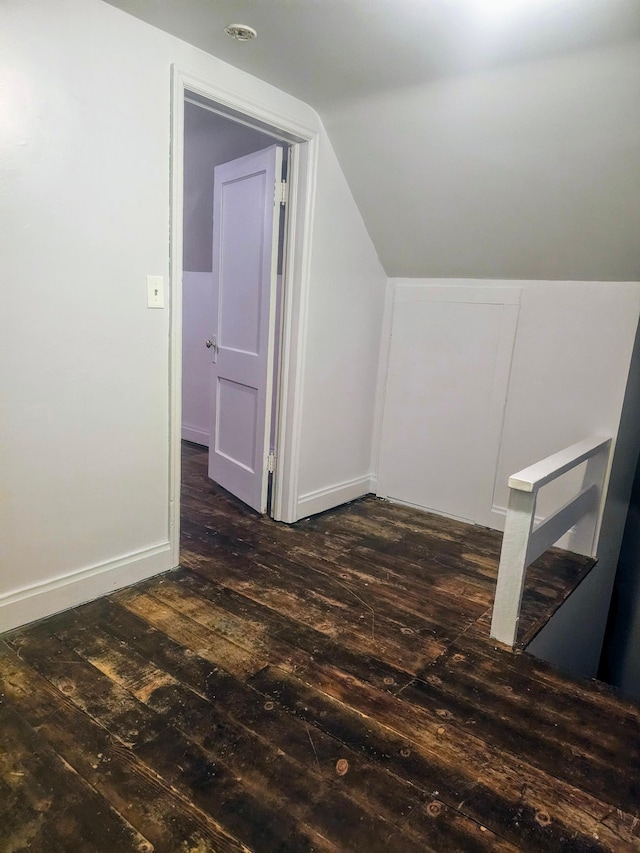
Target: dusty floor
{"type": "Point", "coordinates": [328, 686]}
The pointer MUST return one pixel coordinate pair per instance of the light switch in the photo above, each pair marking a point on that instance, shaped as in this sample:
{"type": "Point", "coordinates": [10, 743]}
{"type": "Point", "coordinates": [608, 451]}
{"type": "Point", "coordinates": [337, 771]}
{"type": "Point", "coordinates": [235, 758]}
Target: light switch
{"type": "Point", "coordinates": [155, 291]}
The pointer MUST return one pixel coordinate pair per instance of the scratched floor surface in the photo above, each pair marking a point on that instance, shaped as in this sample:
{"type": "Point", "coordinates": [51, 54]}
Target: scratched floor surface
{"type": "Point", "coordinates": [328, 686]}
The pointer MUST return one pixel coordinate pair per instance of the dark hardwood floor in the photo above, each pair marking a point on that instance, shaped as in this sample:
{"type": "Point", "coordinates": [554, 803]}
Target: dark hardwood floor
{"type": "Point", "coordinates": [328, 686]}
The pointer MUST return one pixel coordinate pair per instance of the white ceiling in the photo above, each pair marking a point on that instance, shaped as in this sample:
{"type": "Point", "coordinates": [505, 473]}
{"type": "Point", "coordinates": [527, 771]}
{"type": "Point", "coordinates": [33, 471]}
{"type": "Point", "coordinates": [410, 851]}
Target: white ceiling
{"type": "Point", "coordinates": [325, 50]}
{"type": "Point", "coordinates": [480, 138]}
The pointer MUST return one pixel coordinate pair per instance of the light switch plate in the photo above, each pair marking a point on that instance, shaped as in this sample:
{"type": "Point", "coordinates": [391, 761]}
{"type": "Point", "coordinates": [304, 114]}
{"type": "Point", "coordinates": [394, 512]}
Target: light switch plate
{"type": "Point", "coordinates": [155, 291]}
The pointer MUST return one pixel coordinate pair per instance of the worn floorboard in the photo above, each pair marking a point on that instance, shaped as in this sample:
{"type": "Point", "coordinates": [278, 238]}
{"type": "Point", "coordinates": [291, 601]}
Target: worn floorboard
{"type": "Point", "coordinates": [328, 686]}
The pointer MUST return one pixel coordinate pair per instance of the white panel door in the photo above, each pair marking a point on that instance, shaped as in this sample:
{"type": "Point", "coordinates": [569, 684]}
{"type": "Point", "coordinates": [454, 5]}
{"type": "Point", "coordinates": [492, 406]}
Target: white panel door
{"type": "Point", "coordinates": [448, 373]}
{"type": "Point", "coordinates": [245, 255]}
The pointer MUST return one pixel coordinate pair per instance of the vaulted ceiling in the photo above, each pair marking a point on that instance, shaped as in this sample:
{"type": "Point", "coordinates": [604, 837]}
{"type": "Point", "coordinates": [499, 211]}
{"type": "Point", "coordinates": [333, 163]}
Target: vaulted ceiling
{"type": "Point", "coordinates": [480, 138]}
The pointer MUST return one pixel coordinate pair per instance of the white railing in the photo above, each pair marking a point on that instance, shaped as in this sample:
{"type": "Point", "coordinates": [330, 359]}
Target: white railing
{"type": "Point", "coordinates": [523, 543]}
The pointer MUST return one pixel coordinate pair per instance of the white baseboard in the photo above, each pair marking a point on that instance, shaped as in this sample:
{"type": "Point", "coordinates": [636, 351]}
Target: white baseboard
{"type": "Point", "coordinates": [428, 509]}
{"type": "Point", "coordinates": [197, 436]}
{"type": "Point", "coordinates": [498, 517]}
{"type": "Point", "coordinates": [499, 514]}
{"type": "Point", "coordinates": [52, 596]}
{"type": "Point", "coordinates": [332, 496]}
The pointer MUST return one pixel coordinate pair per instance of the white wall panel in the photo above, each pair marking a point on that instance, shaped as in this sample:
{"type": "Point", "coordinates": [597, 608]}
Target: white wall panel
{"type": "Point", "coordinates": [570, 368]}
{"type": "Point", "coordinates": [567, 381]}
{"type": "Point", "coordinates": [448, 374]}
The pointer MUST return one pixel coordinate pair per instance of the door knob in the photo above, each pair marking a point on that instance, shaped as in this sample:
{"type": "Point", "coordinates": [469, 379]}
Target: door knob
{"type": "Point", "coordinates": [212, 343]}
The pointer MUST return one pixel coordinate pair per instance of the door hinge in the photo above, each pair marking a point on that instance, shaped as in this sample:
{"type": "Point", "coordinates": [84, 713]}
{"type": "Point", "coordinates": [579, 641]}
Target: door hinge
{"type": "Point", "coordinates": [271, 463]}
{"type": "Point", "coordinates": [283, 192]}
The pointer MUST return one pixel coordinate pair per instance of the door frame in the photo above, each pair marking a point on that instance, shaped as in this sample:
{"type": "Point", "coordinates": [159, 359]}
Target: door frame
{"type": "Point", "coordinates": [303, 157]}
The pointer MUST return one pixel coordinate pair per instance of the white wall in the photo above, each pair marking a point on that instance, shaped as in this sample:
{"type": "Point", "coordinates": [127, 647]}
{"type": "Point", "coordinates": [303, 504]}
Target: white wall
{"type": "Point", "coordinates": [342, 353]}
{"type": "Point", "coordinates": [84, 217]}
{"type": "Point", "coordinates": [525, 171]}
{"type": "Point", "coordinates": [569, 373]}
{"type": "Point", "coordinates": [567, 378]}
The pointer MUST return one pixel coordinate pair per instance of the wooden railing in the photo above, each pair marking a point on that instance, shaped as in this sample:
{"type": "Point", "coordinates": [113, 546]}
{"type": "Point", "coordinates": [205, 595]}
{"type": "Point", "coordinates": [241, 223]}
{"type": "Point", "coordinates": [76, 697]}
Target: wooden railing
{"type": "Point", "coordinates": [523, 543]}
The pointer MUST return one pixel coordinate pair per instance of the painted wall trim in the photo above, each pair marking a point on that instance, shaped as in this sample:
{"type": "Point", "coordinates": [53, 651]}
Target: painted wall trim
{"type": "Point", "coordinates": [332, 496]}
{"type": "Point", "coordinates": [197, 436]}
{"type": "Point", "coordinates": [426, 509]}
{"type": "Point", "coordinates": [499, 513]}
{"type": "Point", "coordinates": [48, 597]}
{"type": "Point", "coordinates": [382, 379]}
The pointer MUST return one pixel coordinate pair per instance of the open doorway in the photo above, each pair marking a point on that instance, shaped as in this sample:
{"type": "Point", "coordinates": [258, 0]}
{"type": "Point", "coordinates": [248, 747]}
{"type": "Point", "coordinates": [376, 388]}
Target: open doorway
{"type": "Point", "coordinates": [226, 129]}
{"type": "Point", "coordinates": [233, 258]}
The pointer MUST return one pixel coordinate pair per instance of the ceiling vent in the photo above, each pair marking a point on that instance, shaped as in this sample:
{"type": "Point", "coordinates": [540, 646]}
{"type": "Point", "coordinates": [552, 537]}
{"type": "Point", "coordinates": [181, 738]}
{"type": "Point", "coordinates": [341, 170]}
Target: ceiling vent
{"type": "Point", "coordinates": [241, 32]}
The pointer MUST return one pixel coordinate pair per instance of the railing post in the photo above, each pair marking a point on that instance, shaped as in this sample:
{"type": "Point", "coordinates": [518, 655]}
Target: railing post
{"type": "Point", "coordinates": [583, 538]}
{"type": "Point", "coordinates": [520, 546]}
{"type": "Point", "coordinates": [513, 565]}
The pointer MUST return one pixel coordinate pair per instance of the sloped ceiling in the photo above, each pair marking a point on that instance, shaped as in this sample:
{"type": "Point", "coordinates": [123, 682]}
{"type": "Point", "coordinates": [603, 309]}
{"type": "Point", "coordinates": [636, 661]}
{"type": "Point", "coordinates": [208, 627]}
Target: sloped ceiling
{"type": "Point", "coordinates": [480, 138]}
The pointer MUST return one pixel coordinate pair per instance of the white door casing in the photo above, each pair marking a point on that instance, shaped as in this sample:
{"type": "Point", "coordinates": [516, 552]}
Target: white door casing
{"type": "Point", "coordinates": [302, 135]}
{"type": "Point", "coordinates": [245, 253]}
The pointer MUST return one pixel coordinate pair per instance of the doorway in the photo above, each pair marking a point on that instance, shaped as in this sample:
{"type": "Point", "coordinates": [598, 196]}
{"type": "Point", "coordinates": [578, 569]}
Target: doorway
{"type": "Point", "coordinates": [233, 258]}
{"type": "Point", "coordinates": [252, 124]}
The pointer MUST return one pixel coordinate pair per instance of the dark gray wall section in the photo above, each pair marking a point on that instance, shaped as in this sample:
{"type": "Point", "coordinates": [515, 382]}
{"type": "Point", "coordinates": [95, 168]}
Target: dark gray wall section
{"type": "Point", "coordinates": [620, 664]}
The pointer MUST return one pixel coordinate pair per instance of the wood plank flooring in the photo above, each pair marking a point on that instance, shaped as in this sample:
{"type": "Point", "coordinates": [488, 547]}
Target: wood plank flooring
{"type": "Point", "coordinates": [328, 686]}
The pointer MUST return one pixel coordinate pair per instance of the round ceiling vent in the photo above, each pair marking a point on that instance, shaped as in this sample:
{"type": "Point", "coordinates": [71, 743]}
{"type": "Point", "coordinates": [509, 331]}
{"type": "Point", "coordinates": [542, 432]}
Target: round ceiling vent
{"type": "Point", "coordinates": [241, 32]}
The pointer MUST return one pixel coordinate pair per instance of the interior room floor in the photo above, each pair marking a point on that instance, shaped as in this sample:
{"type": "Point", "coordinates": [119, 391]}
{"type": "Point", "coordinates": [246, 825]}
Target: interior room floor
{"type": "Point", "coordinates": [328, 686]}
